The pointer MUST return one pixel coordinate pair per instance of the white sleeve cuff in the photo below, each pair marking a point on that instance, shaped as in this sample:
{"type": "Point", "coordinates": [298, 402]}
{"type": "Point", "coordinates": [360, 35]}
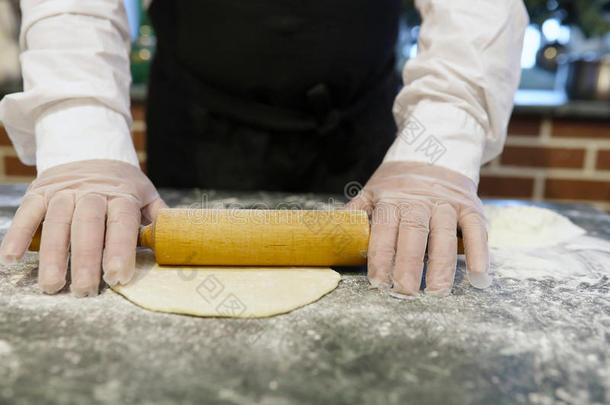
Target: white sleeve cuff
{"type": "Point", "coordinates": [75, 130]}
{"type": "Point", "coordinates": [440, 134]}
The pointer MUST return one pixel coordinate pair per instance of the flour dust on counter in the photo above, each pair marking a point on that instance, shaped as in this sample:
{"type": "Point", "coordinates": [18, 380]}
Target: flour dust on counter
{"type": "Point", "coordinates": [521, 341]}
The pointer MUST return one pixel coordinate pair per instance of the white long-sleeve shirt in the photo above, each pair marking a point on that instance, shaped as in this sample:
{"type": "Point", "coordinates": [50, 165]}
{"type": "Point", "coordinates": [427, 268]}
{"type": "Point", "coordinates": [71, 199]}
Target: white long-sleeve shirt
{"type": "Point", "coordinates": [452, 111]}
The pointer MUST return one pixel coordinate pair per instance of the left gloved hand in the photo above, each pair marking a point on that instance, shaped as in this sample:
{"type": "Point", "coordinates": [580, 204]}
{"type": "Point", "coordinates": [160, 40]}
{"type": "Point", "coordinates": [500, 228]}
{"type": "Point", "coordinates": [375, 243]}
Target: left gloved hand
{"type": "Point", "coordinates": [90, 211]}
{"type": "Point", "coordinates": [414, 206]}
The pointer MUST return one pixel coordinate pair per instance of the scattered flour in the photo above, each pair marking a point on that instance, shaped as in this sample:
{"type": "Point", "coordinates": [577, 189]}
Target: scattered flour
{"type": "Point", "coordinates": [5, 223]}
{"type": "Point", "coordinates": [5, 348]}
{"type": "Point", "coordinates": [9, 364]}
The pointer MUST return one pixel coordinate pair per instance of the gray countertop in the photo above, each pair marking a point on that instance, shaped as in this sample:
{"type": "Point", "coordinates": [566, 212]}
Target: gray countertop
{"type": "Point", "coordinates": [520, 341]}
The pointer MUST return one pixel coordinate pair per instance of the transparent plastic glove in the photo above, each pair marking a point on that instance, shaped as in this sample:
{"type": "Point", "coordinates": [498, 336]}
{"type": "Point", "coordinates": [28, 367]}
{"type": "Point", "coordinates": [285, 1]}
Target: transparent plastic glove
{"type": "Point", "coordinates": [416, 205]}
{"type": "Point", "coordinates": [90, 209]}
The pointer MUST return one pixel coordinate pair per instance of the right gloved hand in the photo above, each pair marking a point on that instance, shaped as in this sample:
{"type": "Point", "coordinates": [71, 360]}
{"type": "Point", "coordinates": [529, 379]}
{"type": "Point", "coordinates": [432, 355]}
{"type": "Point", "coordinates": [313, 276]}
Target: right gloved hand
{"type": "Point", "coordinates": [91, 208]}
{"type": "Point", "coordinates": [416, 207]}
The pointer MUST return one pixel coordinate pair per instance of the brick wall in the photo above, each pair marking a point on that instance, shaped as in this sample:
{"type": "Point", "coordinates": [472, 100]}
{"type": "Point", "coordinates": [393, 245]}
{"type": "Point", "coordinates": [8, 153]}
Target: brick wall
{"type": "Point", "coordinates": [544, 159]}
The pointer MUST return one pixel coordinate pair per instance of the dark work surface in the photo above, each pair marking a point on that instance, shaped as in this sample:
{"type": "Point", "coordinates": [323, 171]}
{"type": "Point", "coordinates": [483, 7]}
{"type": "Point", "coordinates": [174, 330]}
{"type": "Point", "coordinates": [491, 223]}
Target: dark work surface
{"type": "Point", "coordinates": [520, 341]}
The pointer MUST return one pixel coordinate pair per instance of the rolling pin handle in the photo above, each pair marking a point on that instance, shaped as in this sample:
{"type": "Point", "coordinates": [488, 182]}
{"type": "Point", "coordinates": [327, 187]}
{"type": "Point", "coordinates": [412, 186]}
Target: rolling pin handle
{"type": "Point", "coordinates": [35, 243]}
{"type": "Point", "coordinates": [145, 238]}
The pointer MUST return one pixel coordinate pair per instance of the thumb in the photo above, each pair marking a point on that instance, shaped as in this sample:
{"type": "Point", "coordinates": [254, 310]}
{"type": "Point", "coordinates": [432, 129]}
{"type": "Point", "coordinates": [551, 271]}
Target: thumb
{"type": "Point", "coordinates": [362, 201]}
{"type": "Point", "coordinates": [149, 212]}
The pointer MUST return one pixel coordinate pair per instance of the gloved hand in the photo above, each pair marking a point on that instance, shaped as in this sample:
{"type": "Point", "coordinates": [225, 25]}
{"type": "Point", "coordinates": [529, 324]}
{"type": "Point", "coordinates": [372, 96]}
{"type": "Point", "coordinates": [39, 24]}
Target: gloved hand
{"type": "Point", "coordinates": [86, 206]}
{"type": "Point", "coordinates": [414, 205]}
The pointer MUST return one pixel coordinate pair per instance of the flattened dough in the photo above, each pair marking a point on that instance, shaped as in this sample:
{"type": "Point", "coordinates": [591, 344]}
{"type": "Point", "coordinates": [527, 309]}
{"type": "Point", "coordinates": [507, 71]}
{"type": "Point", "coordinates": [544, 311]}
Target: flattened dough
{"type": "Point", "coordinates": [240, 292]}
{"type": "Point", "coordinates": [524, 226]}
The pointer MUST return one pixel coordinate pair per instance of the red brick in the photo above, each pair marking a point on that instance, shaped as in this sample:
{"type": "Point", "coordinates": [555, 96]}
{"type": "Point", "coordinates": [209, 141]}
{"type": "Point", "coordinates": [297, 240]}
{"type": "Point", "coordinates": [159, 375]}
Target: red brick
{"type": "Point", "coordinates": [4, 139]}
{"type": "Point", "coordinates": [139, 140]}
{"type": "Point", "coordinates": [577, 189]}
{"type": "Point", "coordinates": [515, 187]}
{"type": "Point", "coordinates": [603, 160]}
{"type": "Point", "coordinates": [543, 157]}
{"type": "Point", "coordinates": [581, 128]}
{"type": "Point", "coordinates": [138, 111]}
{"type": "Point", "coordinates": [524, 125]}
{"type": "Point", "coordinates": [14, 167]}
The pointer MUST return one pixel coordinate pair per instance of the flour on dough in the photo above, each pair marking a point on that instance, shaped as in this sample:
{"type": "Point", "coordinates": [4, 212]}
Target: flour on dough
{"type": "Point", "coordinates": [528, 242]}
{"type": "Point", "coordinates": [240, 292]}
{"type": "Point", "coordinates": [522, 226]}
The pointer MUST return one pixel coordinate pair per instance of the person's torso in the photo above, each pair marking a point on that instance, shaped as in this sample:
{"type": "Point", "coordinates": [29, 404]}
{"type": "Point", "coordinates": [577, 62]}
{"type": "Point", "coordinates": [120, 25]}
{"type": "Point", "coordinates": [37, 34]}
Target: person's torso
{"type": "Point", "coordinates": [274, 51]}
{"type": "Point", "coordinates": [271, 94]}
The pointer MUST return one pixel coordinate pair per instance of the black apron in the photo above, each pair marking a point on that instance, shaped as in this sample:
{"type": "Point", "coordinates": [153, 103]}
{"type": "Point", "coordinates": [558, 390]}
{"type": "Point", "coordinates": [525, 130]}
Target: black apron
{"type": "Point", "coordinates": [292, 95]}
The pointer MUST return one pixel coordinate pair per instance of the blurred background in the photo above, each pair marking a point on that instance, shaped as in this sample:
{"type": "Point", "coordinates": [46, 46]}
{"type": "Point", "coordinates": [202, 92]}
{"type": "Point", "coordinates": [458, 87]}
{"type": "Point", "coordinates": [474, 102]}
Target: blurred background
{"type": "Point", "coordinates": [558, 148]}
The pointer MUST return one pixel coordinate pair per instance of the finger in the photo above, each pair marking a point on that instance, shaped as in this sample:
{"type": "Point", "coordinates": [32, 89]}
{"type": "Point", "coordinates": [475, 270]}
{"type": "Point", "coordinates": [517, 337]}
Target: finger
{"type": "Point", "coordinates": [150, 211]}
{"type": "Point", "coordinates": [362, 201]}
{"type": "Point", "coordinates": [474, 234]}
{"type": "Point", "coordinates": [24, 225]}
{"type": "Point", "coordinates": [442, 250]}
{"type": "Point", "coordinates": [121, 238]}
{"type": "Point", "coordinates": [55, 243]}
{"type": "Point", "coordinates": [87, 240]}
{"type": "Point", "coordinates": [411, 248]}
{"type": "Point", "coordinates": [382, 245]}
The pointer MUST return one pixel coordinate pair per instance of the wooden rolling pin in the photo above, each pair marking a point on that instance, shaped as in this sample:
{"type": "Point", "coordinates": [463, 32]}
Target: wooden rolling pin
{"type": "Point", "coordinates": [258, 237]}
{"type": "Point", "coordinates": [231, 237]}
